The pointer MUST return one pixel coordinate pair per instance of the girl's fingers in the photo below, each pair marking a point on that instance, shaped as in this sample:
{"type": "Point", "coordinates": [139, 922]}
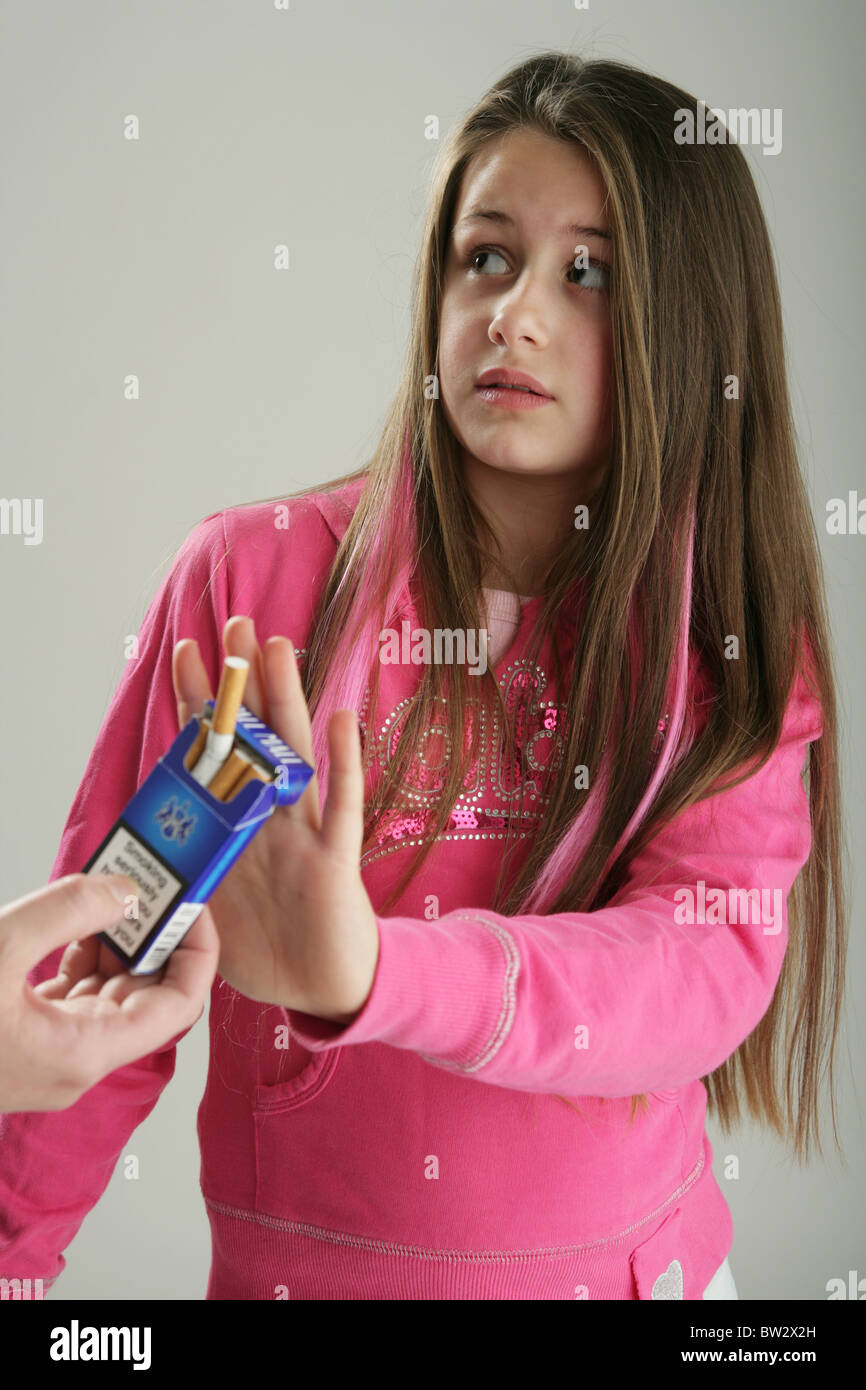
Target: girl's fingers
{"type": "Point", "coordinates": [190, 680]}
{"type": "Point", "coordinates": [343, 816]}
{"type": "Point", "coordinates": [239, 639]}
{"type": "Point", "coordinates": [273, 692]}
{"type": "Point", "coordinates": [290, 718]}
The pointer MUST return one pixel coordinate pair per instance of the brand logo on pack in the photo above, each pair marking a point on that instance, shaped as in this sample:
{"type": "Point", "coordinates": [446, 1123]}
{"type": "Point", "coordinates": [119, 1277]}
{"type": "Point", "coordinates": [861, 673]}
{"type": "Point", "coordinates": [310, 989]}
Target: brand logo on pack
{"type": "Point", "coordinates": [176, 820]}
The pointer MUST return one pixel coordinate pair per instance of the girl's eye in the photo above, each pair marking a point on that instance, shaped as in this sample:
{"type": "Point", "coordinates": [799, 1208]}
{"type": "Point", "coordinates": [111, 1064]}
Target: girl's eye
{"type": "Point", "coordinates": [595, 269]}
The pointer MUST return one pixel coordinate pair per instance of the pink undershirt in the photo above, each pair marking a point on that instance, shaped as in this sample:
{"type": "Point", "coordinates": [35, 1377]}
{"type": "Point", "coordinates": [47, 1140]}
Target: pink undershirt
{"type": "Point", "coordinates": [503, 617]}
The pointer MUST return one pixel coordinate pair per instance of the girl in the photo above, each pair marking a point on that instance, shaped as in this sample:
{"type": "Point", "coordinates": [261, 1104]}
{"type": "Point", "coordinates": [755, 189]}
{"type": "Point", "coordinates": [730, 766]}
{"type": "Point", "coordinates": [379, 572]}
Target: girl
{"type": "Point", "coordinates": [590, 843]}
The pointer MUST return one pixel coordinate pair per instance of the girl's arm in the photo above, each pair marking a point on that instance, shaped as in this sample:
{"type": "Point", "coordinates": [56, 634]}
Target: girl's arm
{"type": "Point", "coordinates": [634, 997]}
{"type": "Point", "coordinates": [43, 1199]}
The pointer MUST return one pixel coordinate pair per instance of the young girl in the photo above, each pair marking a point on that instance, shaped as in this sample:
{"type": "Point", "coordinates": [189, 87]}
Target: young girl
{"type": "Point", "coordinates": [568, 934]}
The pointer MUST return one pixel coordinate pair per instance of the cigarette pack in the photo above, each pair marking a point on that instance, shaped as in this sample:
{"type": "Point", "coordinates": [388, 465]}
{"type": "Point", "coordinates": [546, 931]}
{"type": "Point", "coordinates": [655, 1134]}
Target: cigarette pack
{"type": "Point", "coordinates": [177, 841]}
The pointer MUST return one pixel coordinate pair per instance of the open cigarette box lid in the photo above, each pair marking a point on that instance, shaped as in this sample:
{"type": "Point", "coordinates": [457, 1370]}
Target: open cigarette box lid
{"type": "Point", "coordinates": [177, 841]}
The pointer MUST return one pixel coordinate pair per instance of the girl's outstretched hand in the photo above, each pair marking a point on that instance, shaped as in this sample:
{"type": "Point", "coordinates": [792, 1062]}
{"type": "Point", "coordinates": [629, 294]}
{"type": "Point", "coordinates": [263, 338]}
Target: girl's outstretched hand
{"type": "Point", "coordinates": [296, 926]}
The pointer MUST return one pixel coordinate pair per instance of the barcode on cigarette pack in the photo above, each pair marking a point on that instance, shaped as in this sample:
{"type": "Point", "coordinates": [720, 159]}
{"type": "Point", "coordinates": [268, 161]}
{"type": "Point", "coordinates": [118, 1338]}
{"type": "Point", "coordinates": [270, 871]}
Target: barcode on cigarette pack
{"type": "Point", "coordinates": [174, 931]}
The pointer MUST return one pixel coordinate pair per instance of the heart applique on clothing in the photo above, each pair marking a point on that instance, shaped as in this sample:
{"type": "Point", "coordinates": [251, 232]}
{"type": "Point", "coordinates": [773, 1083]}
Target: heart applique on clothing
{"type": "Point", "coordinates": [669, 1284]}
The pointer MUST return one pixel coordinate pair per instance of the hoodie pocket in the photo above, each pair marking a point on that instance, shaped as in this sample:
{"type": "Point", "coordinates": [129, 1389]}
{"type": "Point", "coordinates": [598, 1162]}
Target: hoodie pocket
{"type": "Point", "coordinates": [288, 1074]}
{"type": "Point", "coordinates": [312, 1078]}
{"type": "Point", "coordinates": [285, 1123]}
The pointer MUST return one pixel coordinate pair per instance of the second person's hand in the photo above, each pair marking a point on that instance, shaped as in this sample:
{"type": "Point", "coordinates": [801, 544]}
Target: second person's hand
{"type": "Point", "coordinates": [62, 1036]}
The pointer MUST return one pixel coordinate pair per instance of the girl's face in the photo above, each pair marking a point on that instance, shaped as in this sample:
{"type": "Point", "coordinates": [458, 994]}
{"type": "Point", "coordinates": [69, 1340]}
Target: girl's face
{"type": "Point", "coordinates": [512, 298]}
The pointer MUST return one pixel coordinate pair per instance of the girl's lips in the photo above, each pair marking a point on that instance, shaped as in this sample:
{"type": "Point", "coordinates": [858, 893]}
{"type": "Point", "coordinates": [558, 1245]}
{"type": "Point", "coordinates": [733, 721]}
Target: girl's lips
{"type": "Point", "coordinates": [510, 398]}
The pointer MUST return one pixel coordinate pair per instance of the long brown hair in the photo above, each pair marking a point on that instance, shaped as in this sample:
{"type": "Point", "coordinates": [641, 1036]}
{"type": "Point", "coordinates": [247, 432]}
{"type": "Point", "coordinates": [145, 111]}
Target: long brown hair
{"type": "Point", "coordinates": [701, 528]}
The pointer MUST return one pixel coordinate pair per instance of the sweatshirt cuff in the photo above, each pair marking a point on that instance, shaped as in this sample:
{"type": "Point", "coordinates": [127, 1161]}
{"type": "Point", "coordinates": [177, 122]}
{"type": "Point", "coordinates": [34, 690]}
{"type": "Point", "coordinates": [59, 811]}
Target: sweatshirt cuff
{"type": "Point", "coordinates": [445, 989]}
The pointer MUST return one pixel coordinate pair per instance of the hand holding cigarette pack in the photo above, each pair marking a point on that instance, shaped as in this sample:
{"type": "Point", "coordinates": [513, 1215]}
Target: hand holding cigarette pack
{"type": "Point", "coordinates": [192, 817]}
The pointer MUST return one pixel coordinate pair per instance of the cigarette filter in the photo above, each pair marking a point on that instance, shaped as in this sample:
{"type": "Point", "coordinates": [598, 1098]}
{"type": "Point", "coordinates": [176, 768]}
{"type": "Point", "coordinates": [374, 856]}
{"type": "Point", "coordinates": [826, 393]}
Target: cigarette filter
{"type": "Point", "coordinates": [177, 840]}
{"type": "Point", "coordinates": [197, 748]}
{"type": "Point", "coordinates": [228, 776]}
{"type": "Point", "coordinates": [231, 691]}
{"type": "Point", "coordinates": [250, 775]}
{"type": "Point", "coordinates": [221, 734]}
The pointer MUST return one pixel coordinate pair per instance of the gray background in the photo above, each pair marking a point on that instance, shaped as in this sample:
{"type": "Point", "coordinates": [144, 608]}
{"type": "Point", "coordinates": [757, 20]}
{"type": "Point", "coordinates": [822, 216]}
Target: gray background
{"type": "Point", "coordinates": [156, 257]}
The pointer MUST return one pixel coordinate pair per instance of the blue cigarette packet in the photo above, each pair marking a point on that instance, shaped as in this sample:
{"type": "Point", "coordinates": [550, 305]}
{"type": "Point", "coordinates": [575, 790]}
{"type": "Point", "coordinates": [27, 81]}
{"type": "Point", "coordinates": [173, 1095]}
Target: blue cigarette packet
{"type": "Point", "coordinates": [178, 842]}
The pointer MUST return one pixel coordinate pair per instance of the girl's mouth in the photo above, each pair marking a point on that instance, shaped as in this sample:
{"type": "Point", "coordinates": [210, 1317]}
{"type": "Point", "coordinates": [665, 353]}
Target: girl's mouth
{"type": "Point", "coordinates": [512, 397]}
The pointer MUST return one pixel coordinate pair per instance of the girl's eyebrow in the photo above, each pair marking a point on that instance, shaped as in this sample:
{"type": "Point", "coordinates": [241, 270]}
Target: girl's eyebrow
{"type": "Point", "coordinates": [494, 215]}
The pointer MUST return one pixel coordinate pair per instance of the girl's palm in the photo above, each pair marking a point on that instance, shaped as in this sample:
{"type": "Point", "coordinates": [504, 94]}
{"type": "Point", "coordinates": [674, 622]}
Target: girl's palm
{"type": "Point", "coordinates": [295, 923]}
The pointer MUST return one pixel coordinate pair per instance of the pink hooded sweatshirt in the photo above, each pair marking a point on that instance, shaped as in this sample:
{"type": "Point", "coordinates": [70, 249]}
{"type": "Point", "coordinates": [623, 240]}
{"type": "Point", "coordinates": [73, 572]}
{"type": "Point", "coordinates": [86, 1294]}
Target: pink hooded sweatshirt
{"type": "Point", "coordinates": [420, 1152]}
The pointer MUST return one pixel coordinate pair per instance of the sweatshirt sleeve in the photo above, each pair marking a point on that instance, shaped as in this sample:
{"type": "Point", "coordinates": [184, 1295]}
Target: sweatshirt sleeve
{"type": "Point", "coordinates": [55, 1165]}
{"type": "Point", "coordinates": [651, 992]}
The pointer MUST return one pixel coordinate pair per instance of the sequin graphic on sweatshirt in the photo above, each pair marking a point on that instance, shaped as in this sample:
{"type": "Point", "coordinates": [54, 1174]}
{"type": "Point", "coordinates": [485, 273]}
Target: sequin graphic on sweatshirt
{"type": "Point", "coordinates": [491, 789]}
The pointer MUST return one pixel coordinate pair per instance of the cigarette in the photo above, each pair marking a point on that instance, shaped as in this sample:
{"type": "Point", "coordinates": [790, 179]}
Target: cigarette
{"type": "Point", "coordinates": [233, 767]}
{"type": "Point", "coordinates": [221, 735]}
{"type": "Point", "coordinates": [197, 747]}
{"type": "Point", "coordinates": [252, 773]}
{"type": "Point", "coordinates": [230, 695]}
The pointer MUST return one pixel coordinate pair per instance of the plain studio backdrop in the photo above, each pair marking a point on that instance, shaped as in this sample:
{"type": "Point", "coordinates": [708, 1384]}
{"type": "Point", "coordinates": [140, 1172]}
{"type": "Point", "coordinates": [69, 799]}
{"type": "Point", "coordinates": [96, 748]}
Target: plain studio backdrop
{"type": "Point", "coordinates": [305, 126]}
